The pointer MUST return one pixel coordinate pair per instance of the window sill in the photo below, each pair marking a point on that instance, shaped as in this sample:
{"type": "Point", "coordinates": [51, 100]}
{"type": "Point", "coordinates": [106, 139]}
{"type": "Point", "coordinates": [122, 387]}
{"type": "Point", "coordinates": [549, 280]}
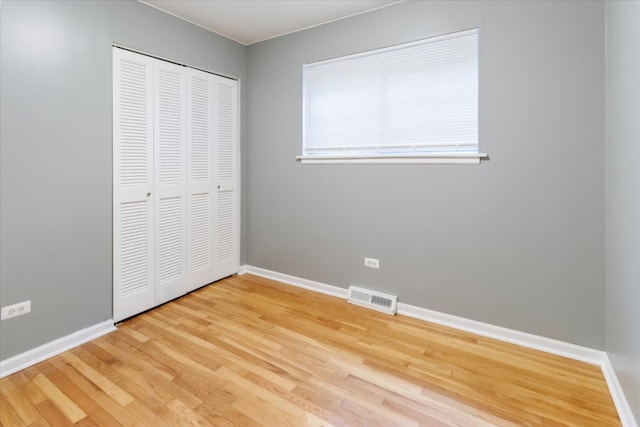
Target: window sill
{"type": "Point", "coordinates": [442, 159]}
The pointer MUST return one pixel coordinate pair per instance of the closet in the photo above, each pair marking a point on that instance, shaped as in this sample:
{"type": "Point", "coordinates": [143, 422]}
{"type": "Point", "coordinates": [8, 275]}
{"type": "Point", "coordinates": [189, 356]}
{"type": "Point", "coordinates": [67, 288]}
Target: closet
{"type": "Point", "coordinates": [175, 180]}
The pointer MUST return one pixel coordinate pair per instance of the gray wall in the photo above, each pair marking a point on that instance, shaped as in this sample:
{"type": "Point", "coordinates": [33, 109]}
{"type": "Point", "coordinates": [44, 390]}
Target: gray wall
{"type": "Point", "coordinates": [517, 241]}
{"type": "Point", "coordinates": [623, 196]}
{"type": "Point", "coordinates": [56, 151]}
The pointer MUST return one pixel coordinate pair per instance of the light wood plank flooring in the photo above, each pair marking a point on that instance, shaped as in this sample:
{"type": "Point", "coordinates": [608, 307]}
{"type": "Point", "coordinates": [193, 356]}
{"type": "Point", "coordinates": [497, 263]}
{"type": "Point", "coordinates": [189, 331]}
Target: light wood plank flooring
{"type": "Point", "coordinates": [248, 351]}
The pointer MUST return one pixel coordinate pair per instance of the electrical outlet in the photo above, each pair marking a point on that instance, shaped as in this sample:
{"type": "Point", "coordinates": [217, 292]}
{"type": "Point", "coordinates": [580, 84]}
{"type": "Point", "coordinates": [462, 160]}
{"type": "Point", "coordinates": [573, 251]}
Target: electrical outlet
{"type": "Point", "coordinates": [372, 263]}
{"type": "Point", "coordinates": [14, 310]}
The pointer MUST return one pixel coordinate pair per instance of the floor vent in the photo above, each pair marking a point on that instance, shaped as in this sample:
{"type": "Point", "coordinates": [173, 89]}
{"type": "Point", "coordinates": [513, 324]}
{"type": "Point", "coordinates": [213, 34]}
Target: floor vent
{"type": "Point", "coordinates": [372, 299]}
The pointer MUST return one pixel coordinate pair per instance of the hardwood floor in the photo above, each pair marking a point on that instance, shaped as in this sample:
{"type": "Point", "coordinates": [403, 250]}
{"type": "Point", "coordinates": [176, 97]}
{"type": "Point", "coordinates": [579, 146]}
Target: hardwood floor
{"type": "Point", "coordinates": [248, 351]}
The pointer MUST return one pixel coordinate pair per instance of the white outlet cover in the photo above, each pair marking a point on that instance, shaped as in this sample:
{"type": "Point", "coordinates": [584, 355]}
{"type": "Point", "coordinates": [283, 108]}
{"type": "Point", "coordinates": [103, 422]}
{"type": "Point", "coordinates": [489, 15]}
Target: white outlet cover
{"type": "Point", "coordinates": [15, 310]}
{"type": "Point", "coordinates": [372, 263]}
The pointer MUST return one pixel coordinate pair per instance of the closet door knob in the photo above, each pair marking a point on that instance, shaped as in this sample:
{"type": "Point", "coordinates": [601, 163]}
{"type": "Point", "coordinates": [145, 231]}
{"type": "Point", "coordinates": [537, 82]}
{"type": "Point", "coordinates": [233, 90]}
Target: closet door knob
{"type": "Point", "coordinates": [149, 194]}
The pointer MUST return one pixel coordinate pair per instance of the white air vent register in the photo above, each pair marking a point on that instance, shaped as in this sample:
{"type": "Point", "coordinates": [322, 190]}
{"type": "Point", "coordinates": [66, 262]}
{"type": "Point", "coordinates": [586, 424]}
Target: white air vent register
{"type": "Point", "coordinates": [373, 300]}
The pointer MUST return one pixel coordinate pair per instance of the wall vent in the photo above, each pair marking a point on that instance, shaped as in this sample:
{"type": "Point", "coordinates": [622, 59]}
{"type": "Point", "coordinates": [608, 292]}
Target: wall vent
{"type": "Point", "coordinates": [373, 300]}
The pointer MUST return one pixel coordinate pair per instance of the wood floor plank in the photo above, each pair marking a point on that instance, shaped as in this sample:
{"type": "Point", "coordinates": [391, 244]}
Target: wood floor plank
{"type": "Point", "coordinates": [22, 407]}
{"type": "Point", "coordinates": [224, 416]}
{"type": "Point", "coordinates": [102, 399]}
{"type": "Point", "coordinates": [40, 422]}
{"type": "Point", "coordinates": [99, 416]}
{"type": "Point", "coordinates": [119, 395]}
{"type": "Point", "coordinates": [61, 401]}
{"type": "Point", "coordinates": [247, 351]}
{"type": "Point", "coordinates": [187, 415]}
{"type": "Point", "coordinates": [271, 398]}
{"type": "Point", "coordinates": [8, 414]}
{"type": "Point", "coordinates": [52, 414]}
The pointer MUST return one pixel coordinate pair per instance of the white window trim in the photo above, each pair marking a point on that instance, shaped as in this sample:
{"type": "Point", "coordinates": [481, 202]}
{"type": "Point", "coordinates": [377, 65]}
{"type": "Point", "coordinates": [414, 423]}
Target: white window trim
{"type": "Point", "coordinates": [431, 158]}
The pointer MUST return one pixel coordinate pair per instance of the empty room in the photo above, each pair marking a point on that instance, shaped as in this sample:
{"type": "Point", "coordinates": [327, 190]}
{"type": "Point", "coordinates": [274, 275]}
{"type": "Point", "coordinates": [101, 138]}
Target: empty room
{"type": "Point", "coordinates": [319, 212]}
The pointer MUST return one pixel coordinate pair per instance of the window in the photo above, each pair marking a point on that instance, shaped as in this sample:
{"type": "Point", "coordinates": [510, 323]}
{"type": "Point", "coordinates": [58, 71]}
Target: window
{"type": "Point", "coordinates": [411, 103]}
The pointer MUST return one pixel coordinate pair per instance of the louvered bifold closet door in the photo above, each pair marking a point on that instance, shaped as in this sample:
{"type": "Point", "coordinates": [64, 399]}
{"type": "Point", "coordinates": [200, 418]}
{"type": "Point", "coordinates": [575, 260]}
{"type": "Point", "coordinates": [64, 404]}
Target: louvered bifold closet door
{"type": "Point", "coordinates": [226, 258]}
{"type": "Point", "coordinates": [170, 189]}
{"type": "Point", "coordinates": [133, 289]}
{"type": "Point", "coordinates": [201, 184]}
{"type": "Point", "coordinates": [212, 166]}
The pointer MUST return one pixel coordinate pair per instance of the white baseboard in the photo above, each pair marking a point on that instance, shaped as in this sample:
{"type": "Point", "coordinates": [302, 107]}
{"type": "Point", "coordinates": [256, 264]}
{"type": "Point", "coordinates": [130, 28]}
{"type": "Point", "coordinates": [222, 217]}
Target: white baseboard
{"type": "Point", "coordinates": [524, 339]}
{"type": "Point", "coordinates": [295, 281]}
{"type": "Point", "coordinates": [617, 394]}
{"type": "Point", "coordinates": [53, 348]}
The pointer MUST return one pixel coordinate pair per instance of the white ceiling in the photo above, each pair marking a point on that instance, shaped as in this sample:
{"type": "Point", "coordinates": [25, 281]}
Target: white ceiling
{"type": "Point", "coordinates": [251, 21]}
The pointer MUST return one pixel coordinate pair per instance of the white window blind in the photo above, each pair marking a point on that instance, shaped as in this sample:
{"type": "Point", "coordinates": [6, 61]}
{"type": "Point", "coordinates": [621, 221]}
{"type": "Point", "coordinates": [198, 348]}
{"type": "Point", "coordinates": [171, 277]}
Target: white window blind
{"type": "Point", "coordinates": [413, 99]}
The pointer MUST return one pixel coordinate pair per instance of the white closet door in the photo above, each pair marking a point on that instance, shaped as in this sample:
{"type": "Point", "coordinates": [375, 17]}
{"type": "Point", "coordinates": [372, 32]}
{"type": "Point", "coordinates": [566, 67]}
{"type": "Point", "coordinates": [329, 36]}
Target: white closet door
{"type": "Point", "coordinates": [212, 165]}
{"type": "Point", "coordinates": [170, 189]}
{"type": "Point", "coordinates": [226, 258]}
{"type": "Point", "coordinates": [201, 184]}
{"type": "Point", "coordinates": [133, 289]}
{"type": "Point", "coordinates": [175, 201]}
